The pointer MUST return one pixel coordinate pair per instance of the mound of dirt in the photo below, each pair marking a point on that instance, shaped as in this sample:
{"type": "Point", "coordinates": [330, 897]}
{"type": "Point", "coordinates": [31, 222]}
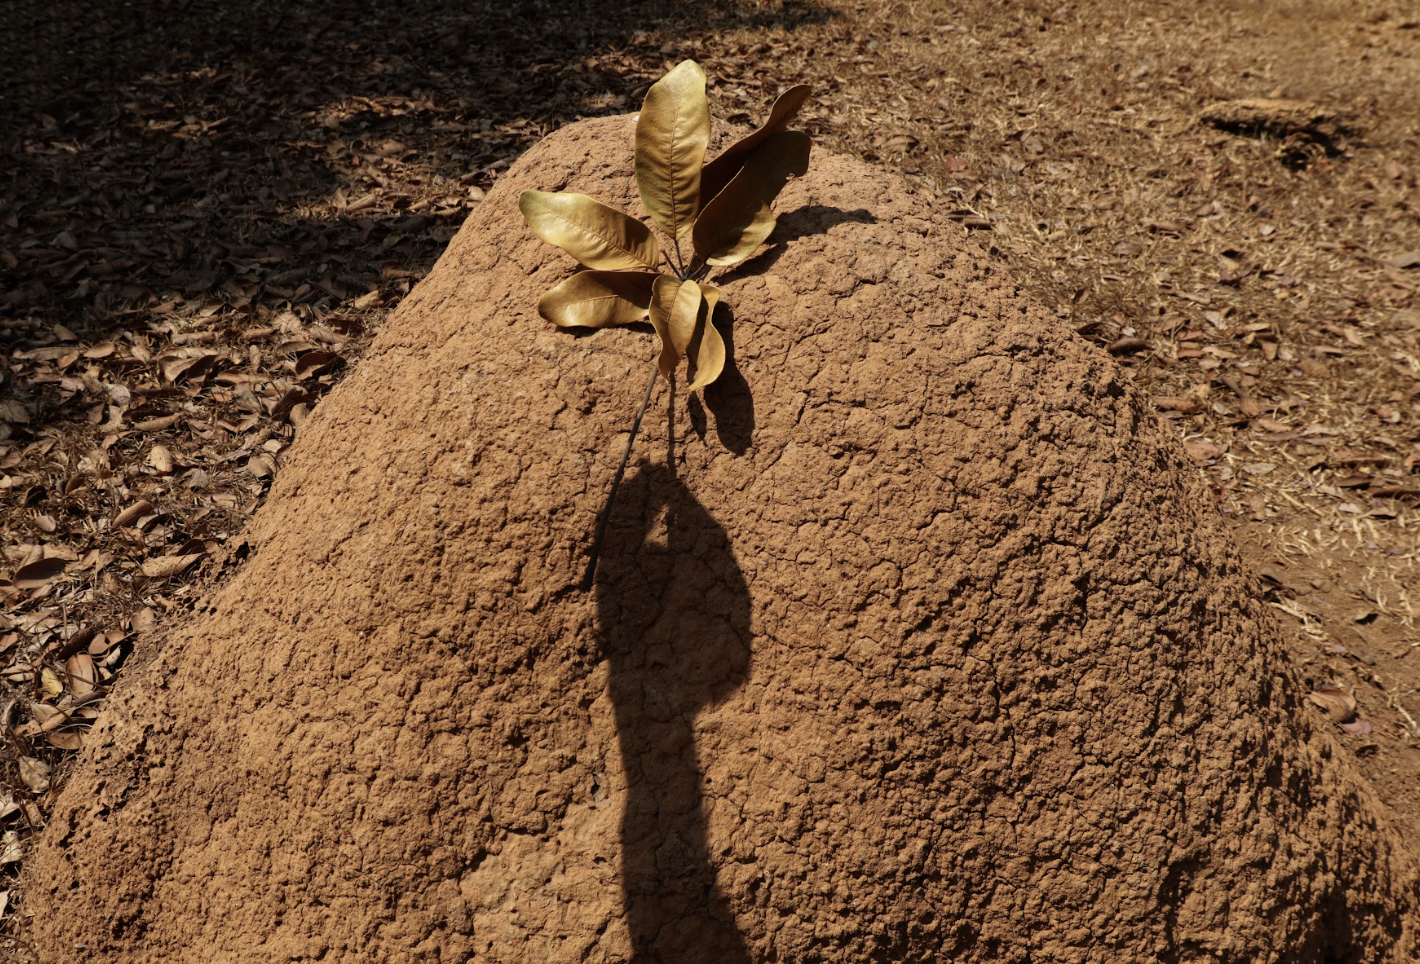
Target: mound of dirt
{"type": "Point", "coordinates": [919, 643]}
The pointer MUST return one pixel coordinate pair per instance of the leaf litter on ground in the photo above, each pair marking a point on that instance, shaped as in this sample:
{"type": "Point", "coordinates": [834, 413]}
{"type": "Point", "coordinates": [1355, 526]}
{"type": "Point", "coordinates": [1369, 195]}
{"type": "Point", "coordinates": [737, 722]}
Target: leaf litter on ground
{"type": "Point", "coordinates": [189, 215]}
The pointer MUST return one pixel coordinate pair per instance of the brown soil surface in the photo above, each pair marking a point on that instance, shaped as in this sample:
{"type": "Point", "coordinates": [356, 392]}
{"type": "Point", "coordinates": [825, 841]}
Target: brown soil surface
{"type": "Point", "coordinates": [907, 644]}
{"type": "Point", "coordinates": [208, 208]}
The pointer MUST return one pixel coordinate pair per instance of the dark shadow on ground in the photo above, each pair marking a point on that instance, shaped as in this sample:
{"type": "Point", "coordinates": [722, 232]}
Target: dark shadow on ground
{"type": "Point", "coordinates": [675, 614]}
{"type": "Point", "coordinates": [793, 225]}
{"type": "Point", "coordinates": [729, 396]}
{"type": "Point", "coordinates": [295, 152]}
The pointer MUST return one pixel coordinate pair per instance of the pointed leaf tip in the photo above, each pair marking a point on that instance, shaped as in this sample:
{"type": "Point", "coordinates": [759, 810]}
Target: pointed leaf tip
{"type": "Point", "coordinates": [722, 169]}
{"type": "Point", "coordinates": [671, 135]}
{"type": "Point", "coordinates": [595, 234]}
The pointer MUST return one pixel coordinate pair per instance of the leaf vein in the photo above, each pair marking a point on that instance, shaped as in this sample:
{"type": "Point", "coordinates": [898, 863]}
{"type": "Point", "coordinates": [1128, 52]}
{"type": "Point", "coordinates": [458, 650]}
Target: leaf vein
{"type": "Point", "coordinates": [607, 241]}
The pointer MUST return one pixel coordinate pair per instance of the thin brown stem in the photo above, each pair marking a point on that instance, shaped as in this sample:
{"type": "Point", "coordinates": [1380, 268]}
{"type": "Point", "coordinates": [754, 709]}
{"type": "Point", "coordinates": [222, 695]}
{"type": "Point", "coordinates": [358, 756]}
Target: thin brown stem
{"type": "Point", "coordinates": [591, 572]}
{"type": "Point", "coordinates": [679, 263]}
{"type": "Point", "coordinates": [670, 429]}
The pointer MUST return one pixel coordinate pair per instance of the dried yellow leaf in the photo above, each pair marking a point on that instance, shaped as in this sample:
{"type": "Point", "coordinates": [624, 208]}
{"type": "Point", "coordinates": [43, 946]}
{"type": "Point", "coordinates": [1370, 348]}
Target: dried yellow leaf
{"type": "Point", "coordinates": [675, 305]}
{"type": "Point", "coordinates": [707, 348]}
{"type": "Point", "coordinates": [596, 299]}
{"type": "Point", "coordinates": [50, 683]}
{"type": "Point", "coordinates": [595, 234]}
{"type": "Point", "coordinates": [671, 135]}
{"type": "Point", "coordinates": [736, 222]}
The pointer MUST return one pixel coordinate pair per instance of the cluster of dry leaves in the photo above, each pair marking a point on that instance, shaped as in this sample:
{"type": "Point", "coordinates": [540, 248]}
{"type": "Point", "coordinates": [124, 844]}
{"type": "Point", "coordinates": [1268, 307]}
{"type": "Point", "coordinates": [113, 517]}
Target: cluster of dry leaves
{"type": "Point", "coordinates": [207, 207]}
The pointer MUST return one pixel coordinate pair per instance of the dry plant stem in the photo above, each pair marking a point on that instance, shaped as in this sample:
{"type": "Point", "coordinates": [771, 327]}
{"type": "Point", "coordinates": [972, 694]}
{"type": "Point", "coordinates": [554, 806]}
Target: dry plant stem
{"type": "Point", "coordinates": [591, 572]}
{"type": "Point", "coordinates": [679, 264]}
{"type": "Point", "coordinates": [670, 429]}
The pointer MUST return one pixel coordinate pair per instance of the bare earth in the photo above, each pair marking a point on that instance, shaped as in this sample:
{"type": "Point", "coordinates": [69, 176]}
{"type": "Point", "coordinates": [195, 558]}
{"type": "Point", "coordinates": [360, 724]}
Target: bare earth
{"type": "Point", "coordinates": [209, 209]}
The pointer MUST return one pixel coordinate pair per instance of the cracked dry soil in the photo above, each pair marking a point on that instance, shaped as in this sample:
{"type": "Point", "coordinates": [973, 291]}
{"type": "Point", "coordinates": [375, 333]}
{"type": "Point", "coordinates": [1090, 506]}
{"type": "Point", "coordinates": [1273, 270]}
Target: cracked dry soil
{"type": "Point", "coordinates": [924, 646]}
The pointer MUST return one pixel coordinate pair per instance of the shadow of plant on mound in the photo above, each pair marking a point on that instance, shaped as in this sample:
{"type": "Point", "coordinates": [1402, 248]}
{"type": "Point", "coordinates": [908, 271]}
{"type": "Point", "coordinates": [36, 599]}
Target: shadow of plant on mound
{"type": "Point", "coordinates": [801, 222]}
{"type": "Point", "coordinates": [675, 614]}
{"type": "Point", "coordinates": [729, 398]}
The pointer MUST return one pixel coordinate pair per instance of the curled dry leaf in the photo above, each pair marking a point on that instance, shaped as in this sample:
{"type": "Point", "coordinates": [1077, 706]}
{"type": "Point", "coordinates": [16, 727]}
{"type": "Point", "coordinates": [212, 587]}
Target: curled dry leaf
{"type": "Point", "coordinates": [675, 307]}
{"type": "Point", "coordinates": [313, 364]}
{"type": "Point", "coordinates": [1178, 403]}
{"type": "Point", "coordinates": [83, 675]}
{"type": "Point", "coordinates": [169, 566]}
{"type": "Point", "coordinates": [101, 644]}
{"type": "Point", "coordinates": [157, 424]}
{"type": "Point", "coordinates": [261, 465]}
{"type": "Point", "coordinates": [707, 348]}
{"type": "Point", "coordinates": [66, 739]}
{"type": "Point", "coordinates": [741, 217]}
{"type": "Point", "coordinates": [595, 234]}
{"type": "Point", "coordinates": [43, 719]}
{"type": "Point", "coordinates": [671, 136]}
{"type": "Point", "coordinates": [722, 169]}
{"type": "Point", "coordinates": [1335, 702]}
{"type": "Point", "coordinates": [191, 365]}
{"type": "Point", "coordinates": [50, 683]}
{"type": "Point", "coordinates": [133, 513]}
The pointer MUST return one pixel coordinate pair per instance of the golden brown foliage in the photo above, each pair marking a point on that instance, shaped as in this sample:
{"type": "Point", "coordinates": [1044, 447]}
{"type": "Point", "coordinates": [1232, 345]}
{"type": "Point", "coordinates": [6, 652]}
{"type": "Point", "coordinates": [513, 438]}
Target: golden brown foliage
{"type": "Point", "coordinates": [725, 206]}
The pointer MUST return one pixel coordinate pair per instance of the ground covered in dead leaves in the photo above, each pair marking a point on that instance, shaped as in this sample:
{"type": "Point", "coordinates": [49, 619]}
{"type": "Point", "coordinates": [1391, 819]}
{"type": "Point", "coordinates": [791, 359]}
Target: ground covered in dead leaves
{"type": "Point", "coordinates": [206, 208]}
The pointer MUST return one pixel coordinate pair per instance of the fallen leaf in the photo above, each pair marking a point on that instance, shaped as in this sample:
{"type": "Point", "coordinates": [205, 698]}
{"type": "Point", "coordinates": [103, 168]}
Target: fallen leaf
{"type": "Point", "coordinates": [38, 573]}
{"type": "Point", "coordinates": [166, 567]}
{"type": "Point", "coordinates": [191, 367]}
{"type": "Point", "coordinates": [315, 363]}
{"type": "Point", "coordinates": [160, 457]}
{"type": "Point", "coordinates": [35, 774]}
{"type": "Point", "coordinates": [83, 675]}
{"type": "Point", "coordinates": [1336, 703]}
{"type": "Point", "coordinates": [11, 851]}
{"type": "Point", "coordinates": [157, 424]}
{"type": "Point", "coordinates": [133, 513]}
{"type": "Point", "coordinates": [66, 740]}
{"type": "Point", "coordinates": [50, 683]}
{"type": "Point", "coordinates": [43, 719]}
{"type": "Point", "coordinates": [1178, 403]}
{"type": "Point", "coordinates": [1202, 451]}
{"type": "Point", "coordinates": [1128, 346]}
